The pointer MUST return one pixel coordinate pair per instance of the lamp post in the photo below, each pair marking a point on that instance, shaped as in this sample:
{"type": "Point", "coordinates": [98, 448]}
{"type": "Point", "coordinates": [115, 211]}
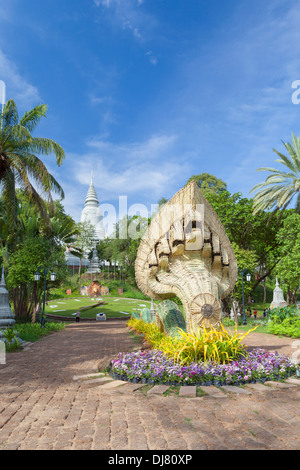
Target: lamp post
{"type": "Point", "coordinates": [248, 278]}
{"type": "Point", "coordinates": [37, 277]}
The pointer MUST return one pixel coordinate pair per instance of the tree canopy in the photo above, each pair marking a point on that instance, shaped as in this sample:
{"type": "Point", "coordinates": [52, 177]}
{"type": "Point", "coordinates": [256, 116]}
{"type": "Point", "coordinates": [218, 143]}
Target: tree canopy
{"type": "Point", "coordinates": [20, 165]}
{"type": "Point", "coordinates": [280, 187]}
{"type": "Point", "coordinates": [209, 183]}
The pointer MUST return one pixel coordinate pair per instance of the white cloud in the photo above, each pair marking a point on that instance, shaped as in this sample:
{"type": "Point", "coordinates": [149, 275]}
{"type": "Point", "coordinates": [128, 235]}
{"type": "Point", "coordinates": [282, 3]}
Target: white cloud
{"type": "Point", "coordinates": [128, 15]}
{"type": "Point", "coordinates": [24, 94]}
{"type": "Point", "coordinates": [143, 171]}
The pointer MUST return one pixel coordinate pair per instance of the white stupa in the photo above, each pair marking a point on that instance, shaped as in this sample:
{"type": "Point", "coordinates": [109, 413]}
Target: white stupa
{"type": "Point", "coordinates": [278, 298]}
{"type": "Point", "coordinates": [92, 213]}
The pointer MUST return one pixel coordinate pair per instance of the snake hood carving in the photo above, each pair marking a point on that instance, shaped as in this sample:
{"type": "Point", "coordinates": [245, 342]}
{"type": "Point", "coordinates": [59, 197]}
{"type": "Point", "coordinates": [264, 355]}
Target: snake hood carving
{"type": "Point", "coordinates": [185, 252]}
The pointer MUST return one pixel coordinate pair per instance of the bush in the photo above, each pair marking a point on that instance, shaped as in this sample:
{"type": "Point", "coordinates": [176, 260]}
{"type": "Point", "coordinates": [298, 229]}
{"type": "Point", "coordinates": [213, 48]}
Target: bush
{"type": "Point", "coordinates": [205, 345]}
{"type": "Point", "coordinates": [290, 326]}
{"type": "Point", "coordinates": [31, 332]}
{"type": "Point", "coordinates": [280, 313]}
{"type": "Point", "coordinates": [285, 321]}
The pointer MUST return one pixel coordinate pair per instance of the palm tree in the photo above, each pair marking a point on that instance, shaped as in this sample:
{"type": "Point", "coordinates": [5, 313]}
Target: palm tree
{"type": "Point", "coordinates": [19, 164]}
{"type": "Point", "coordinates": [280, 187]}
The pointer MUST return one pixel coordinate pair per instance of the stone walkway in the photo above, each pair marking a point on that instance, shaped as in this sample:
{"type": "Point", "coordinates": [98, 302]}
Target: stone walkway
{"type": "Point", "coordinates": [51, 397]}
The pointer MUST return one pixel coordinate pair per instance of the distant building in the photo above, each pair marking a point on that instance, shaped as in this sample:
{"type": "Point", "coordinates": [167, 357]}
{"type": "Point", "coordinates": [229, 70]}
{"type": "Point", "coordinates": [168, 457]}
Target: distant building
{"type": "Point", "coordinates": [92, 213]}
{"type": "Point", "coordinates": [73, 262]}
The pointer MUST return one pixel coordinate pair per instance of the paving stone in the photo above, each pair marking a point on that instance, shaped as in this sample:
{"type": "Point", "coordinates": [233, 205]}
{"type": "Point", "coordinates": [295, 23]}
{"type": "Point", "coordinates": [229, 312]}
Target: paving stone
{"type": "Point", "coordinates": [42, 407]}
{"type": "Point", "coordinates": [292, 380]}
{"type": "Point", "coordinates": [279, 384]}
{"type": "Point", "coordinates": [188, 391]}
{"type": "Point", "coordinates": [88, 376]}
{"type": "Point", "coordinates": [113, 384]}
{"type": "Point", "coordinates": [258, 387]}
{"type": "Point", "coordinates": [158, 390]}
{"type": "Point", "coordinates": [214, 392]}
{"type": "Point", "coordinates": [234, 389]}
{"type": "Point", "coordinates": [95, 382]}
{"type": "Point", "coordinates": [131, 388]}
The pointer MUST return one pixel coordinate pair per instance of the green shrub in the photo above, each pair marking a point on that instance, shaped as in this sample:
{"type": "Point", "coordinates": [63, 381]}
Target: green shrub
{"type": "Point", "coordinates": [205, 345]}
{"type": "Point", "coordinates": [289, 326]}
{"type": "Point", "coordinates": [278, 314]}
{"type": "Point", "coordinates": [31, 332]}
{"type": "Point", "coordinates": [10, 335]}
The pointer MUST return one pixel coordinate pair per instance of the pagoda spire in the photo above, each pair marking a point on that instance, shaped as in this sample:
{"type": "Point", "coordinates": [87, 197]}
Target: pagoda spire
{"type": "Point", "coordinates": [91, 198]}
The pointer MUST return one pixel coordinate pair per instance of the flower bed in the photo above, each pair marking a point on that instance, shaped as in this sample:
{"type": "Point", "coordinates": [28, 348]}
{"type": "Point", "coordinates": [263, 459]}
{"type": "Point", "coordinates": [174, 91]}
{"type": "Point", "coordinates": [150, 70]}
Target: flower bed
{"type": "Point", "coordinates": [154, 367]}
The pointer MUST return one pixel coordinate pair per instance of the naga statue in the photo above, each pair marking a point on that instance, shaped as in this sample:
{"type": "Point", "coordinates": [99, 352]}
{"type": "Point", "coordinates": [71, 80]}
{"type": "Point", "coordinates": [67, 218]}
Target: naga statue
{"type": "Point", "coordinates": [185, 253]}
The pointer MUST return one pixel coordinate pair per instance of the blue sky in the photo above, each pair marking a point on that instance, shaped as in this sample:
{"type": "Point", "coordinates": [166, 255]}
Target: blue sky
{"type": "Point", "coordinates": [147, 93]}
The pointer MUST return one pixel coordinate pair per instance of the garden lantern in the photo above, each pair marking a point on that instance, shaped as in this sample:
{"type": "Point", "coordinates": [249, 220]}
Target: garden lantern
{"type": "Point", "coordinates": [248, 278]}
{"type": "Point", "coordinates": [37, 277]}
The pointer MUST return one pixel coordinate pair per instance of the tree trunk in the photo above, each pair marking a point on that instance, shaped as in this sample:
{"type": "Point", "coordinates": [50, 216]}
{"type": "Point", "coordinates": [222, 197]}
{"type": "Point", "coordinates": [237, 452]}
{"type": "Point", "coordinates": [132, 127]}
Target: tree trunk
{"type": "Point", "coordinates": [264, 276]}
{"type": "Point", "coordinates": [288, 296]}
{"type": "Point", "coordinates": [25, 300]}
{"type": "Point", "coordinates": [235, 305]}
{"type": "Point", "coordinates": [265, 290]}
{"type": "Point", "coordinates": [79, 271]}
{"type": "Point", "coordinates": [226, 307]}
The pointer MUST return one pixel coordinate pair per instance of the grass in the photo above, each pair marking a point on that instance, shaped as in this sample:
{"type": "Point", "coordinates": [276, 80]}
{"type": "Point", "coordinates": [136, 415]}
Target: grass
{"type": "Point", "coordinates": [32, 332]}
{"type": "Point", "coordinates": [114, 306]}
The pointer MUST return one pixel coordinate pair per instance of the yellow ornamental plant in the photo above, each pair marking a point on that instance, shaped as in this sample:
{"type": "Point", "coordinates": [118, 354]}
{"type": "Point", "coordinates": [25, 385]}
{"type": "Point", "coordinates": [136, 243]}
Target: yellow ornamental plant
{"type": "Point", "coordinates": [206, 345]}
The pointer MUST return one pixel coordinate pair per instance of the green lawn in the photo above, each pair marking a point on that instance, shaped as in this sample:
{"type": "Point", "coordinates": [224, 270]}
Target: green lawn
{"type": "Point", "coordinates": [115, 306]}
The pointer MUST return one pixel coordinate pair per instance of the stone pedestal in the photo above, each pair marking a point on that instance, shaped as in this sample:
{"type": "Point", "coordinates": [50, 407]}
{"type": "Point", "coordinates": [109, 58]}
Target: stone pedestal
{"type": "Point", "coordinates": [94, 264]}
{"type": "Point", "coordinates": [7, 318]}
{"type": "Point", "coordinates": [278, 298]}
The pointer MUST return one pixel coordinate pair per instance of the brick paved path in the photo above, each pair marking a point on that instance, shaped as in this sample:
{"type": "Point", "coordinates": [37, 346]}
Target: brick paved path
{"type": "Point", "coordinates": [43, 407]}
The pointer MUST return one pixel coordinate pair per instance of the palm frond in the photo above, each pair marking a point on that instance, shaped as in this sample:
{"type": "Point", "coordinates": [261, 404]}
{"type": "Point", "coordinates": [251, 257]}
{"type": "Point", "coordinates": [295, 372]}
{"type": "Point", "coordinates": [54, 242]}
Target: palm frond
{"type": "Point", "coordinates": [9, 199]}
{"type": "Point", "coordinates": [31, 118]}
{"type": "Point", "coordinates": [286, 161]}
{"type": "Point", "coordinates": [47, 147]}
{"type": "Point", "coordinates": [10, 114]}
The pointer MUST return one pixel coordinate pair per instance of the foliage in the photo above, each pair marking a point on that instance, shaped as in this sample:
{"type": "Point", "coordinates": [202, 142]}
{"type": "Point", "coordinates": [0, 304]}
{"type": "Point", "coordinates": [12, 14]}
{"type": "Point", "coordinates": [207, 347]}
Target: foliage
{"type": "Point", "coordinates": [123, 244]}
{"type": "Point", "coordinates": [288, 268]}
{"type": "Point", "coordinates": [153, 366]}
{"type": "Point", "coordinates": [209, 184]}
{"type": "Point", "coordinates": [255, 233]}
{"type": "Point", "coordinates": [19, 164]}
{"type": "Point", "coordinates": [32, 332]}
{"type": "Point", "coordinates": [285, 321]}
{"type": "Point", "coordinates": [246, 260]}
{"type": "Point", "coordinates": [30, 256]}
{"type": "Point", "coordinates": [10, 335]}
{"type": "Point", "coordinates": [280, 187]}
{"type": "Point", "coordinates": [279, 314]}
{"type": "Point", "coordinates": [248, 231]}
{"type": "Point", "coordinates": [84, 241]}
{"type": "Point", "coordinates": [290, 326]}
{"type": "Point", "coordinates": [203, 345]}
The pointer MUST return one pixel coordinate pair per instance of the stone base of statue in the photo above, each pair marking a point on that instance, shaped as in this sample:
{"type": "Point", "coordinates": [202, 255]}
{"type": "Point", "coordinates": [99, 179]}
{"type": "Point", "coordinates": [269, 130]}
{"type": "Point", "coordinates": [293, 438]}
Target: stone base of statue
{"type": "Point", "coordinates": [278, 298]}
{"type": "Point", "coordinates": [7, 318]}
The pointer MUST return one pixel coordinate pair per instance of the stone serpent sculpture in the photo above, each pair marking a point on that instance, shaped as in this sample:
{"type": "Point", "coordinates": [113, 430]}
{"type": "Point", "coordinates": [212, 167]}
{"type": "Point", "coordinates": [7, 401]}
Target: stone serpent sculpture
{"type": "Point", "coordinates": [186, 253]}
